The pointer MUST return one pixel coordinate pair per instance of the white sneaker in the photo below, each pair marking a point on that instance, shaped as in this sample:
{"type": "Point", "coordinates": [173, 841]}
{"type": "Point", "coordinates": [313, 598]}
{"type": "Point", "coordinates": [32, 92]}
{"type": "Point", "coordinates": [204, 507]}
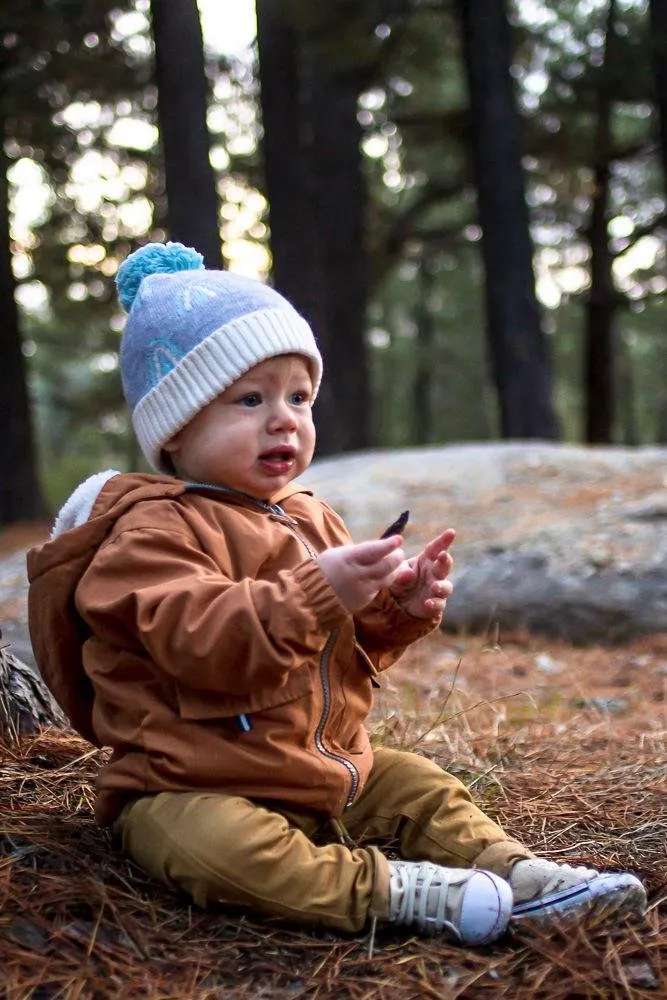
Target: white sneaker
{"type": "Point", "coordinates": [469, 905]}
{"type": "Point", "coordinates": [544, 890]}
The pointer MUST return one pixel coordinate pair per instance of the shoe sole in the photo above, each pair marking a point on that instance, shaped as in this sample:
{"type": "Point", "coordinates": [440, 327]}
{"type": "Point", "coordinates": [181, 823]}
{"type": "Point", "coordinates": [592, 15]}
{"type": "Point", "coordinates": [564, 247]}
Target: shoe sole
{"type": "Point", "coordinates": [621, 894]}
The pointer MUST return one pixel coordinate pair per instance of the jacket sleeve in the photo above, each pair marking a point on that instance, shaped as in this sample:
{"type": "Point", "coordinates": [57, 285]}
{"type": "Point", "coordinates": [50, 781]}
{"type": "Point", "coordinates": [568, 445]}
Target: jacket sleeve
{"type": "Point", "coordinates": [155, 591]}
{"type": "Point", "coordinates": [385, 630]}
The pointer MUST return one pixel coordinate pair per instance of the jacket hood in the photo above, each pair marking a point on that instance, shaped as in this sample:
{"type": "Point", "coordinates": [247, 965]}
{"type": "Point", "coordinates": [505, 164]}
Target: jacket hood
{"type": "Point", "coordinates": [78, 507]}
{"type": "Point", "coordinates": [57, 631]}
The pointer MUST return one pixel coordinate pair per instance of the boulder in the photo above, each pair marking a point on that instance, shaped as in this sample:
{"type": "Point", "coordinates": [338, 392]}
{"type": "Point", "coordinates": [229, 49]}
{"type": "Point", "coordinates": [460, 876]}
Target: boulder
{"type": "Point", "coordinates": [562, 540]}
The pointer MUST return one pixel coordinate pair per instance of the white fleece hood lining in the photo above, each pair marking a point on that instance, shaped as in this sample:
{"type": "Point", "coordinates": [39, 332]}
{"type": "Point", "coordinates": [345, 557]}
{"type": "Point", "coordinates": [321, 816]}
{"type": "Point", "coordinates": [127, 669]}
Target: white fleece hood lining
{"type": "Point", "coordinates": [76, 510]}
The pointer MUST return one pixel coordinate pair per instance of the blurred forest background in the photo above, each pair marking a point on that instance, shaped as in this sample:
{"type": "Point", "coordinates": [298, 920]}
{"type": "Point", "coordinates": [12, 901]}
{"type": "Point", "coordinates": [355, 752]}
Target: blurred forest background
{"type": "Point", "coordinates": [466, 199]}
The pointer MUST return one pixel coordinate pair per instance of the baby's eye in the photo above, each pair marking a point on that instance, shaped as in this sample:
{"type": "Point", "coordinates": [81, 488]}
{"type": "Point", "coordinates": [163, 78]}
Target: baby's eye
{"type": "Point", "coordinates": [251, 399]}
{"type": "Point", "coordinates": [299, 398]}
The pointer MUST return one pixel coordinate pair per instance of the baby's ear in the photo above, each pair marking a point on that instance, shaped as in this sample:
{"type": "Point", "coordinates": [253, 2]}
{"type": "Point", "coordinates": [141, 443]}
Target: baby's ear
{"type": "Point", "coordinates": [172, 445]}
{"type": "Point", "coordinates": [166, 461]}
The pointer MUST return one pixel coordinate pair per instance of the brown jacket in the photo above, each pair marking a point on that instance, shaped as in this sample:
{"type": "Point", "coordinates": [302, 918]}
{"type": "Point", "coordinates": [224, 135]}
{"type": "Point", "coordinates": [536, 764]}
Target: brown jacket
{"type": "Point", "coordinates": [190, 629]}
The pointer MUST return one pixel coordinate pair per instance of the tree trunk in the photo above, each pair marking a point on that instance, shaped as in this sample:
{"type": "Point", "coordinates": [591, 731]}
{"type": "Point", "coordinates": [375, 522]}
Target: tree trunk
{"type": "Point", "coordinates": [316, 192]}
{"type": "Point", "coordinates": [20, 494]}
{"type": "Point", "coordinates": [661, 421]}
{"type": "Point", "coordinates": [658, 13]}
{"type": "Point", "coordinates": [629, 431]}
{"type": "Point", "coordinates": [422, 387]}
{"type": "Point", "coordinates": [517, 344]}
{"type": "Point", "coordinates": [602, 302]}
{"type": "Point", "coordinates": [25, 702]}
{"type": "Point", "coordinates": [182, 106]}
{"type": "Point", "coordinates": [599, 357]}
{"type": "Point", "coordinates": [338, 198]}
{"type": "Point", "coordinates": [297, 270]}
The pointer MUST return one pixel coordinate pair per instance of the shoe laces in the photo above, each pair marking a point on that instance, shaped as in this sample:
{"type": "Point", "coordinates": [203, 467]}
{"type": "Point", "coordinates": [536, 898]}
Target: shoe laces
{"type": "Point", "coordinates": [419, 894]}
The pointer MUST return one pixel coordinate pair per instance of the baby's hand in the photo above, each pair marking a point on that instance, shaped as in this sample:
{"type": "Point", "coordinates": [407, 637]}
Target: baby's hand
{"type": "Point", "coordinates": [421, 586]}
{"type": "Point", "coordinates": [358, 572]}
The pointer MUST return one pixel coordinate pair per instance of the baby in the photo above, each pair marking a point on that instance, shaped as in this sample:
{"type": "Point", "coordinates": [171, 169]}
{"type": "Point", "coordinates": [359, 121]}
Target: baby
{"type": "Point", "coordinates": [215, 625]}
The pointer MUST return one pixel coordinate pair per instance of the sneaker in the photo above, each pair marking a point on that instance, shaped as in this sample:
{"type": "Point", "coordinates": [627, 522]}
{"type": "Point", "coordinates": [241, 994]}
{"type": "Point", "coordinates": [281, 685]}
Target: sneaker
{"type": "Point", "coordinates": [544, 890]}
{"type": "Point", "coordinates": [470, 906]}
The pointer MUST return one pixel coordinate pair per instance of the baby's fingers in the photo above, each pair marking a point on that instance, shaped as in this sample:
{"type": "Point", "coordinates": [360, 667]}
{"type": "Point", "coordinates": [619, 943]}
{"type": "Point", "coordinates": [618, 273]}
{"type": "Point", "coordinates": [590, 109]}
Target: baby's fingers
{"type": "Point", "coordinates": [369, 555]}
{"type": "Point", "coordinates": [442, 589]}
{"type": "Point", "coordinates": [442, 565]}
{"type": "Point", "coordinates": [403, 579]}
{"type": "Point", "coordinates": [440, 544]}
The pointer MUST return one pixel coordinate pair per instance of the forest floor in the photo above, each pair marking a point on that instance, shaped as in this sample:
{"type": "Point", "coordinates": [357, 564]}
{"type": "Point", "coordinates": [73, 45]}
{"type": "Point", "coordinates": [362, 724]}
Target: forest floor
{"type": "Point", "coordinates": [566, 746]}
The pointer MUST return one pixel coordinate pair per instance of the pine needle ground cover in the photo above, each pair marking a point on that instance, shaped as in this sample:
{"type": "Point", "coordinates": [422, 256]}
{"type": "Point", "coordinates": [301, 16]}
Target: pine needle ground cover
{"type": "Point", "coordinates": [566, 747]}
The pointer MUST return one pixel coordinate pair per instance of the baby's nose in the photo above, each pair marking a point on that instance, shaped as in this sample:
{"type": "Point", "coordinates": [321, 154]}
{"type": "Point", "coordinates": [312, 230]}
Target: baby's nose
{"type": "Point", "coordinates": [282, 416]}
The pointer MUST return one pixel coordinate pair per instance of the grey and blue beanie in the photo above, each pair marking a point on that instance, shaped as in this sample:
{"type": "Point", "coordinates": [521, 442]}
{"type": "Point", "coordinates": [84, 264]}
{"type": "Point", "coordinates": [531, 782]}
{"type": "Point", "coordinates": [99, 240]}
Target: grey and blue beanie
{"type": "Point", "coordinates": [190, 333]}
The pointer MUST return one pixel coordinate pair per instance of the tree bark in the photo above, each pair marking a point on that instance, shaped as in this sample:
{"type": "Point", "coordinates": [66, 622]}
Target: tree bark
{"type": "Point", "coordinates": [339, 201]}
{"type": "Point", "coordinates": [599, 355]}
{"type": "Point", "coordinates": [629, 431]}
{"type": "Point", "coordinates": [658, 14]}
{"type": "Point", "coordinates": [25, 702]}
{"type": "Point", "coordinates": [316, 192]}
{"type": "Point", "coordinates": [296, 267]}
{"type": "Point", "coordinates": [20, 493]}
{"type": "Point", "coordinates": [602, 302]}
{"type": "Point", "coordinates": [423, 387]}
{"type": "Point", "coordinates": [517, 344]}
{"type": "Point", "coordinates": [182, 107]}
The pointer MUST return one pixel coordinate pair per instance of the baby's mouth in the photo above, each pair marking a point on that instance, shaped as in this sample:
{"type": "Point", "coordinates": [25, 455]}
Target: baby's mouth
{"type": "Point", "coordinates": [284, 453]}
{"type": "Point", "coordinates": [278, 460]}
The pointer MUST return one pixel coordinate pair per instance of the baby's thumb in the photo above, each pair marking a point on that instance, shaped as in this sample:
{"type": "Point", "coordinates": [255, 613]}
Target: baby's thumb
{"type": "Point", "coordinates": [368, 553]}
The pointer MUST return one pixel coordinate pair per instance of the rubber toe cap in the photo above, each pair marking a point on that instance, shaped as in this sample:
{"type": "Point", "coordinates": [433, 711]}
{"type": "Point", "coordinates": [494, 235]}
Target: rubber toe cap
{"type": "Point", "coordinates": [486, 908]}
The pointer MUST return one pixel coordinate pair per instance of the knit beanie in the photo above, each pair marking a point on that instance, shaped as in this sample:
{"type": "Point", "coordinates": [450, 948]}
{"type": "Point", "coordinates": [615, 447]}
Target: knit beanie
{"type": "Point", "coordinates": [190, 333]}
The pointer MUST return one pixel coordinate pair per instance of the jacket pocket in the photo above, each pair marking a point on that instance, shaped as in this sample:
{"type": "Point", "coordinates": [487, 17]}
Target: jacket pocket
{"type": "Point", "coordinates": [196, 704]}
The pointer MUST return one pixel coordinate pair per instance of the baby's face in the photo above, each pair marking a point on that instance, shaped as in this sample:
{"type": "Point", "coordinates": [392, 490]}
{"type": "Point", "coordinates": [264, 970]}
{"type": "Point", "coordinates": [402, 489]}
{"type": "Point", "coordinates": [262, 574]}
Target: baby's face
{"type": "Point", "coordinates": [256, 436]}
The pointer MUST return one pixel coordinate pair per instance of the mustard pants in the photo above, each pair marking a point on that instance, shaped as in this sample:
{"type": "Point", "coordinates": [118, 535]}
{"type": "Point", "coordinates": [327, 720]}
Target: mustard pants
{"type": "Point", "coordinates": [228, 849]}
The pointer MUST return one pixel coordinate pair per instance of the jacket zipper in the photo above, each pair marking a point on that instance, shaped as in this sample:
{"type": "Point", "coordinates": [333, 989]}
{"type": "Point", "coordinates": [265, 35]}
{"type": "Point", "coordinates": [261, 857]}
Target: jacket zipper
{"type": "Point", "coordinates": [277, 511]}
{"type": "Point", "coordinates": [319, 732]}
{"type": "Point", "coordinates": [326, 692]}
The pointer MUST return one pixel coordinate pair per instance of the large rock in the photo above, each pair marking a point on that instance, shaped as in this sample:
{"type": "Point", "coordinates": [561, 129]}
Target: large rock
{"type": "Point", "coordinates": [563, 540]}
{"type": "Point", "coordinates": [13, 606]}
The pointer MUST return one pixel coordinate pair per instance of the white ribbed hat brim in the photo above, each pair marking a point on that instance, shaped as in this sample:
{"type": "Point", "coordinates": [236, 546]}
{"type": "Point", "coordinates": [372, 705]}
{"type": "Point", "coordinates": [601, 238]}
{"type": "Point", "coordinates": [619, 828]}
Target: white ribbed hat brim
{"type": "Point", "coordinates": [212, 366]}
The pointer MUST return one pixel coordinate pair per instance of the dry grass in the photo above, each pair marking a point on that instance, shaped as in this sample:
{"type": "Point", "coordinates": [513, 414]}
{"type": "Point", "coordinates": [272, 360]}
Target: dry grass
{"type": "Point", "coordinates": [574, 777]}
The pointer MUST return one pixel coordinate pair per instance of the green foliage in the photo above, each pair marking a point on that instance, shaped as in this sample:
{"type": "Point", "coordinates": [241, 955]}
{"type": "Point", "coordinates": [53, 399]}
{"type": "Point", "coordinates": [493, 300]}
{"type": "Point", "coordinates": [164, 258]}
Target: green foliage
{"type": "Point", "coordinates": [425, 322]}
{"type": "Point", "coordinates": [560, 84]}
{"type": "Point", "coordinates": [71, 76]}
{"type": "Point", "coordinates": [455, 394]}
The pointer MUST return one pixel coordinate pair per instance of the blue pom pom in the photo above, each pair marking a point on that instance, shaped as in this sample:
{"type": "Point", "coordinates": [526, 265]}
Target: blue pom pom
{"type": "Point", "coordinates": [154, 258]}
